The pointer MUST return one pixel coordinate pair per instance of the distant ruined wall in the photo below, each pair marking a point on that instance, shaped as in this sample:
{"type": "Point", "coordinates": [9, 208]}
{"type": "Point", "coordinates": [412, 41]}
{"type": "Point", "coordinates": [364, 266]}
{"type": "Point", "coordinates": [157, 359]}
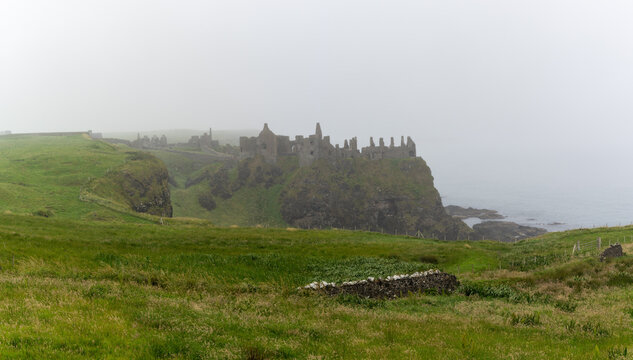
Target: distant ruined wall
{"type": "Point", "coordinates": [316, 146]}
{"type": "Point", "coordinates": [202, 142]}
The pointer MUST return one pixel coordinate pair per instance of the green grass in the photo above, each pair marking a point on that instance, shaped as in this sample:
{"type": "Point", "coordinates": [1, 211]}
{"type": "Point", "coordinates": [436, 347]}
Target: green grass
{"type": "Point", "coordinates": [77, 289]}
{"type": "Point", "coordinates": [82, 281]}
{"type": "Point", "coordinates": [46, 173]}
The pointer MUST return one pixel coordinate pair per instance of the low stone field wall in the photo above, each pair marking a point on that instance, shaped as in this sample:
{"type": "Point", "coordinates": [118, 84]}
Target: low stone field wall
{"type": "Point", "coordinates": [392, 286]}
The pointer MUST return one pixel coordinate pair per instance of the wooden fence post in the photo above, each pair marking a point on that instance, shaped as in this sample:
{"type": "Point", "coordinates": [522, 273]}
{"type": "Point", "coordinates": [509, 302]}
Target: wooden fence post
{"type": "Point", "coordinates": [599, 243]}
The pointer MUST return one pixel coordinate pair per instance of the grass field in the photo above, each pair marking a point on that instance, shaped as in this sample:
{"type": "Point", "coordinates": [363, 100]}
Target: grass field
{"type": "Point", "coordinates": [76, 289]}
{"type": "Point", "coordinates": [45, 175]}
{"type": "Point", "coordinates": [84, 281]}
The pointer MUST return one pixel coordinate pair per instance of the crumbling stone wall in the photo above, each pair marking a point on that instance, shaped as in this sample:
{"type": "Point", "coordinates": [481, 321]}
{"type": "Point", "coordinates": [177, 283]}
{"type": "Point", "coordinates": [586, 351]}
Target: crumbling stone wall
{"type": "Point", "coordinates": [393, 286]}
{"type": "Point", "coordinates": [316, 146]}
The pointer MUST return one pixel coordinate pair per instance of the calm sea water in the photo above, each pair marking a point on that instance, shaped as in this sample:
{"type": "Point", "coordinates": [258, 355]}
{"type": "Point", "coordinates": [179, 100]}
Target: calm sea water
{"type": "Point", "coordinates": [551, 186]}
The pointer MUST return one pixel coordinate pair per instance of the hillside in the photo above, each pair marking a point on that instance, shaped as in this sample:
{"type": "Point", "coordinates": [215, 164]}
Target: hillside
{"type": "Point", "coordinates": [88, 277]}
{"type": "Point", "coordinates": [77, 289]}
{"type": "Point", "coordinates": [75, 177]}
{"type": "Point", "coordinates": [393, 196]}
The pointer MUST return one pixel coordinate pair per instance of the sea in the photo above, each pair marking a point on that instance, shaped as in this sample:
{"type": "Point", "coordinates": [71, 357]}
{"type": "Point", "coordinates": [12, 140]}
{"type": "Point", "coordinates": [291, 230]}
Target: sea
{"type": "Point", "coordinates": [552, 186]}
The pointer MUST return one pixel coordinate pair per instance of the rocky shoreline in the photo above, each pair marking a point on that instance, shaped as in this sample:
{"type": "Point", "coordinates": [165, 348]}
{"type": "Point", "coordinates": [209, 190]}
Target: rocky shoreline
{"type": "Point", "coordinates": [465, 213]}
{"type": "Point", "coordinates": [491, 228]}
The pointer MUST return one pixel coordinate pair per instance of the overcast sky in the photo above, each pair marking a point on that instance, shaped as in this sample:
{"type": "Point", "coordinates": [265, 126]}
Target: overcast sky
{"type": "Point", "coordinates": [496, 69]}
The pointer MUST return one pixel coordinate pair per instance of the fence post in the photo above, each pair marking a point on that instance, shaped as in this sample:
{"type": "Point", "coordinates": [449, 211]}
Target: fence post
{"type": "Point", "coordinates": [578, 245]}
{"type": "Point", "coordinates": [599, 242]}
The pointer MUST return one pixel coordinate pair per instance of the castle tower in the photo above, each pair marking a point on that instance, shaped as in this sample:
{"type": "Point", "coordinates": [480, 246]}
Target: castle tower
{"type": "Point", "coordinates": [411, 147]}
{"type": "Point", "coordinates": [318, 132]}
{"type": "Point", "coordinates": [382, 142]}
{"type": "Point", "coordinates": [371, 142]}
{"type": "Point", "coordinates": [402, 141]}
{"type": "Point", "coordinates": [267, 144]}
{"type": "Point", "coordinates": [346, 145]}
{"type": "Point", "coordinates": [391, 145]}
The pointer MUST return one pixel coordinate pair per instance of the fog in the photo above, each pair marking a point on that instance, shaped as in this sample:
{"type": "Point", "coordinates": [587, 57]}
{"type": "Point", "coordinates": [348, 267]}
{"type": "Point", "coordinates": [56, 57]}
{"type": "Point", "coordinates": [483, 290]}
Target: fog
{"type": "Point", "coordinates": [505, 93]}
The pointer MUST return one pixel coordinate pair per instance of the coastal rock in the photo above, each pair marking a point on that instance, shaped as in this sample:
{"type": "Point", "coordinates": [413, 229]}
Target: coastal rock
{"type": "Point", "coordinates": [465, 213]}
{"type": "Point", "coordinates": [391, 196]}
{"type": "Point", "coordinates": [505, 231]}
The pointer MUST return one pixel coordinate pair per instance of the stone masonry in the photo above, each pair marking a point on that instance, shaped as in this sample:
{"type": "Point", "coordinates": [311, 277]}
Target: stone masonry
{"type": "Point", "coordinates": [316, 146]}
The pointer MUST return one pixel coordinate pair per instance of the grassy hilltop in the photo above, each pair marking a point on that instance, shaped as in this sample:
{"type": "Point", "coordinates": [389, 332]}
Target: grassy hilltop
{"type": "Point", "coordinates": [73, 177]}
{"type": "Point", "coordinates": [95, 280]}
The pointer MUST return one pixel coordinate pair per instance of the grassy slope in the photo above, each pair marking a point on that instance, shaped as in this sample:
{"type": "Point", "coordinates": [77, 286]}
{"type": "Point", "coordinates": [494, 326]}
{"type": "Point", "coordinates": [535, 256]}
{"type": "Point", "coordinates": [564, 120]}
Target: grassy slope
{"type": "Point", "coordinates": [71, 288]}
{"type": "Point", "coordinates": [46, 173]}
{"type": "Point", "coordinates": [247, 206]}
{"type": "Point", "coordinates": [103, 290]}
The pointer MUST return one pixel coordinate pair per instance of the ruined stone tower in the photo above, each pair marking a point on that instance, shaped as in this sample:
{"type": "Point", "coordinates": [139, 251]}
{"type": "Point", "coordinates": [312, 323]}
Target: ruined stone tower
{"type": "Point", "coordinates": [308, 149]}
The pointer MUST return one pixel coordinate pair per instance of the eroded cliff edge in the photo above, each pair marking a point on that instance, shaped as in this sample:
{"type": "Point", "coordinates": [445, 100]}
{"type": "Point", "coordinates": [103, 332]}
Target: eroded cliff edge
{"type": "Point", "coordinates": [142, 183]}
{"type": "Point", "coordinates": [394, 196]}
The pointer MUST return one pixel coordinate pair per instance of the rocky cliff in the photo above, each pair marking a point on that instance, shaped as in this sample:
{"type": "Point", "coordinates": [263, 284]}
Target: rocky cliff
{"type": "Point", "coordinates": [142, 183]}
{"type": "Point", "coordinates": [394, 196]}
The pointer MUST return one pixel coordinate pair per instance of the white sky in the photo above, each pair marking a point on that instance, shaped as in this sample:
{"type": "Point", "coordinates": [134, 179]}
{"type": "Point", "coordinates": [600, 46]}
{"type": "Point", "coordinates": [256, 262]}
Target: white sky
{"type": "Point", "coordinates": [495, 71]}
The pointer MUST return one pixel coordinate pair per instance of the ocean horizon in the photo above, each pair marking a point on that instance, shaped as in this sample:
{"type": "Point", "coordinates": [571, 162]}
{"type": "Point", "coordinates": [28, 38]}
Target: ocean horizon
{"type": "Point", "coordinates": [552, 187]}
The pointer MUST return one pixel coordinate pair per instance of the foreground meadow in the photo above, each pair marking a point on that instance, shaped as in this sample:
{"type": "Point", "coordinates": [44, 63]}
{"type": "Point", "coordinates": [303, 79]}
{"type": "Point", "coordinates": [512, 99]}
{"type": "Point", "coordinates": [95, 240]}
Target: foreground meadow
{"type": "Point", "coordinates": [113, 290]}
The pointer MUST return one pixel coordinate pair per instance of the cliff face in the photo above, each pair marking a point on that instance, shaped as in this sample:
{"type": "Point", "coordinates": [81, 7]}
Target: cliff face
{"type": "Point", "coordinates": [394, 196]}
{"type": "Point", "coordinates": [141, 183]}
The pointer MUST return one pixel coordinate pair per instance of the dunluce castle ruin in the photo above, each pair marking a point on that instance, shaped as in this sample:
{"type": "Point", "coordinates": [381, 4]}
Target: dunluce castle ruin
{"type": "Point", "coordinates": [308, 149]}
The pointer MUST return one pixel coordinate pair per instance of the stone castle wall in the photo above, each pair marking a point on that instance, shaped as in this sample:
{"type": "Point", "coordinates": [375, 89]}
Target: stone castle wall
{"type": "Point", "coordinates": [316, 146]}
{"type": "Point", "coordinates": [202, 142]}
